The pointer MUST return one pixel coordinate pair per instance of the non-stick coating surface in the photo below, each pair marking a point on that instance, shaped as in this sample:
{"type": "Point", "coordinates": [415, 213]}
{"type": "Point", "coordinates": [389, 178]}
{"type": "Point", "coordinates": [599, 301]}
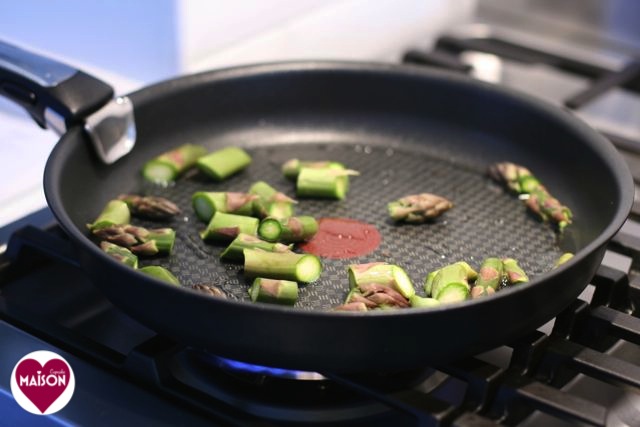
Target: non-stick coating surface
{"type": "Point", "coordinates": [486, 221]}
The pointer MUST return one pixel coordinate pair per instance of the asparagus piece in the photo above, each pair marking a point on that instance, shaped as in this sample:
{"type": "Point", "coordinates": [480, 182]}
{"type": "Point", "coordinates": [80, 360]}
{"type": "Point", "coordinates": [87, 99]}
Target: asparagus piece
{"type": "Point", "coordinates": [152, 207]}
{"type": "Point", "coordinates": [130, 236]}
{"type": "Point", "coordinates": [383, 274]}
{"type": "Point", "coordinates": [514, 273]}
{"type": "Point", "coordinates": [270, 202]}
{"type": "Point", "coordinates": [520, 180]}
{"type": "Point", "coordinates": [418, 208]}
{"type": "Point", "coordinates": [419, 302]}
{"type": "Point", "coordinates": [324, 183]}
{"type": "Point", "coordinates": [288, 230]}
{"type": "Point", "coordinates": [353, 306]}
{"type": "Point", "coordinates": [291, 168]}
{"type": "Point", "coordinates": [454, 292]}
{"type": "Point", "coordinates": [160, 273]}
{"type": "Point", "coordinates": [446, 276]}
{"type": "Point", "coordinates": [562, 259]}
{"type": "Point", "coordinates": [470, 275]}
{"type": "Point", "coordinates": [225, 227]}
{"type": "Point", "coordinates": [114, 213]}
{"type": "Point", "coordinates": [223, 163]}
{"type": "Point", "coordinates": [281, 265]}
{"type": "Point", "coordinates": [274, 291]}
{"type": "Point", "coordinates": [490, 277]}
{"type": "Point", "coordinates": [211, 290]}
{"type": "Point", "coordinates": [206, 203]}
{"type": "Point", "coordinates": [233, 252]}
{"type": "Point", "coordinates": [169, 165]}
{"type": "Point", "coordinates": [123, 255]}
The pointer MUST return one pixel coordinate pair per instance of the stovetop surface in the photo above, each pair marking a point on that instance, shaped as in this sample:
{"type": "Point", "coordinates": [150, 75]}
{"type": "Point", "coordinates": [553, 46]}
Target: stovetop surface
{"type": "Point", "coordinates": [584, 368]}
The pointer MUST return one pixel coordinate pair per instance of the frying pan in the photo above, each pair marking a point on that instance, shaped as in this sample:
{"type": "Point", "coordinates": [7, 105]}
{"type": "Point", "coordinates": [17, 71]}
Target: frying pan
{"type": "Point", "coordinates": [407, 130]}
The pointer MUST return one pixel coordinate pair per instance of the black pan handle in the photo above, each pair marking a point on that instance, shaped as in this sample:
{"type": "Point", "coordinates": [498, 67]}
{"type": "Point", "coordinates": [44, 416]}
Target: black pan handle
{"type": "Point", "coordinates": [59, 96]}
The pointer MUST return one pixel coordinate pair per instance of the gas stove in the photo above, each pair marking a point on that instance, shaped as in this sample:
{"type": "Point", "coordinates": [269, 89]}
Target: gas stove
{"type": "Point", "coordinates": [582, 368]}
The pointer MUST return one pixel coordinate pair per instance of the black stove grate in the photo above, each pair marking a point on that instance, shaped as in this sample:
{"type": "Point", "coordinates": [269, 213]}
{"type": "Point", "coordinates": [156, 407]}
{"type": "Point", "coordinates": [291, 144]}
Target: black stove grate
{"type": "Point", "coordinates": [536, 379]}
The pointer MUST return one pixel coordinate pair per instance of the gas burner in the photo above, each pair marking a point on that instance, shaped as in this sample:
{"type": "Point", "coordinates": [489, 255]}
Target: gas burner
{"type": "Point", "coordinates": [238, 367]}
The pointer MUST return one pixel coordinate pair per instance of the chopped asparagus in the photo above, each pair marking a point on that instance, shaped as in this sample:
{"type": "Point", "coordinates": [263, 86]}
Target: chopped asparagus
{"type": "Point", "coordinates": [169, 165]}
{"type": "Point", "coordinates": [446, 276]}
{"type": "Point", "coordinates": [160, 273]}
{"type": "Point", "coordinates": [282, 265]}
{"type": "Point", "coordinates": [206, 203]}
{"type": "Point", "coordinates": [291, 168]}
{"type": "Point", "coordinates": [469, 274]}
{"type": "Point", "coordinates": [454, 292]}
{"type": "Point", "coordinates": [130, 236]}
{"type": "Point", "coordinates": [419, 302]}
{"type": "Point", "coordinates": [383, 274]}
{"type": "Point", "coordinates": [123, 255]}
{"type": "Point", "coordinates": [288, 230]}
{"type": "Point", "coordinates": [324, 183]}
{"type": "Point", "coordinates": [274, 291]}
{"type": "Point", "coordinates": [520, 180]}
{"type": "Point", "coordinates": [270, 202]}
{"type": "Point", "coordinates": [562, 259]}
{"type": "Point", "coordinates": [418, 208]}
{"type": "Point", "coordinates": [152, 207]}
{"type": "Point", "coordinates": [116, 212]}
{"type": "Point", "coordinates": [246, 241]}
{"type": "Point", "coordinates": [491, 274]}
{"type": "Point", "coordinates": [226, 227]}
{"type": "Point", "coordinates": [223, 163]}
{"type": "Point", "coordinates": [514, 273]}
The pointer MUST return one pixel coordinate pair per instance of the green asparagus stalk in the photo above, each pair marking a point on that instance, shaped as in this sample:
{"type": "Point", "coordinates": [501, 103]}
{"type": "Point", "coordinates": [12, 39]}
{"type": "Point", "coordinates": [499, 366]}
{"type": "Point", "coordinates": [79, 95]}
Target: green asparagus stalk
{"type": "Point", "coordinates": [205, 204]}
{"type": "Point", "coordinates": [160, 273]}
{"type": "Point", "coordinates": [514, 273]}
{"type": "Point", "coordinates": [223, 163]}
{"type": "Point", "coordinates": [291, 168]}
{"type": "Point", "coordinates": [490, 278]}
{"type": "Point", "coordinates": [470, 275]}
{"type": "Point", "coordinates": [454, 292]}
{"type": "Point", "coordinates": [420, 302]}
{"type": "Point", "coordinates": [123, 255]}
{"type": "Point", "coordinates": [225, 227]}
{"type": "Point", "coordinates": [281, 265]}
{"type": "Point", "coordinates": [274, 291]}
{"type": "Point", "coordinates": [270, 202]}
{"type": "Point", "coordinates": [152, 207]}
{"type": "Point", "coordinates": [324, 183]}
{"type": "Point", "coordinates": [418, 208]}
{"type": "Point", "coordinates": [168, 166]}
{"type": "Point", "coordinates": [246, 241]}
{"type": "Point", "coordinates": [454, 274]}
{"type": "Point", "coordinates": [383, 274]}
{"type": "Point", "coordinates": [130, 236]}
{"type": "Point", "coordinates": [562, 259]}
{"type": "Point", "coordinates": [116, 212]}
{"type": "Point", "coordinates": [520, 180]}
{"type": "Point", "coordinates": [288, 230]}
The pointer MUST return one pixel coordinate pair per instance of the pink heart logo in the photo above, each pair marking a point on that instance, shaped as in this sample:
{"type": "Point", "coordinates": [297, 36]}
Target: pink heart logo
{"type": "Point", "coordinates": [42, 384]}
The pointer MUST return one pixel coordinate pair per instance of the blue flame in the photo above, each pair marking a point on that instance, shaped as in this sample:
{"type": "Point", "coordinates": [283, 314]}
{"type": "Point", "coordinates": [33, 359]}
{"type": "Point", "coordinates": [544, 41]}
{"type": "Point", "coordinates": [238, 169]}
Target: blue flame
{"type": "Point", "coordinates": [237, 365]}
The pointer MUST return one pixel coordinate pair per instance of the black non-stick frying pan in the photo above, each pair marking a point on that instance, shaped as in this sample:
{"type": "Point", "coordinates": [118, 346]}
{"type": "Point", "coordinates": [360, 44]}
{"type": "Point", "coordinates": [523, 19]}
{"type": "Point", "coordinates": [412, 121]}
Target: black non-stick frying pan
{"type": "Point", "coordinates": [407, 130]}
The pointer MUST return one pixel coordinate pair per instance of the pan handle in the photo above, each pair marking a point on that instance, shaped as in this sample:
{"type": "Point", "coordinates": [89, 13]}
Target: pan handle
{"type": "Point", "coordinates": [59, 96]}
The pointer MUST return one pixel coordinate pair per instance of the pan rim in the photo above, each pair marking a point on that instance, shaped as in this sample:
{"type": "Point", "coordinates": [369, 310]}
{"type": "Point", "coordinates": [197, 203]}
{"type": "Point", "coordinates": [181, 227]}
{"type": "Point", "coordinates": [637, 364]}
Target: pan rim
{"type": "Point", "coordinates": [597, 142]}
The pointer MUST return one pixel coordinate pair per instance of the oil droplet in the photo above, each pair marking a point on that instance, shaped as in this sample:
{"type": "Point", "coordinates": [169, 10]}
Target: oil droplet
{"type": "Point", "coordinates": [358, 148]}
{"type": "Point", "coordinates": [368, 150]}
{"type": "Point", "coordinates": [385, 182]}
{"type": "Point", "coordinates": [389, 152]}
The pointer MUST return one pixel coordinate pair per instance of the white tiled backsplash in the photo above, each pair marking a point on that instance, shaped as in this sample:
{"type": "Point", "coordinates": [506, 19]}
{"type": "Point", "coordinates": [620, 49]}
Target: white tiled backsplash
{"type": "Point", "coordinates": [130, 44]}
